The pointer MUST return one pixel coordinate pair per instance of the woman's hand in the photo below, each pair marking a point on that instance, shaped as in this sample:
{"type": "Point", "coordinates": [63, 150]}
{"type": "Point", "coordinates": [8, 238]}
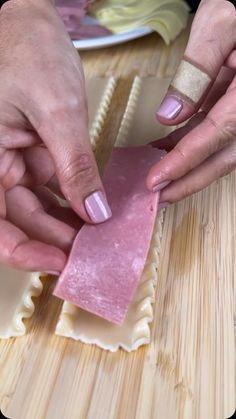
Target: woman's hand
{"type": "Point", "coordinates": [204, 149]}
{"type": "Point", "coordinates": [44, 139]}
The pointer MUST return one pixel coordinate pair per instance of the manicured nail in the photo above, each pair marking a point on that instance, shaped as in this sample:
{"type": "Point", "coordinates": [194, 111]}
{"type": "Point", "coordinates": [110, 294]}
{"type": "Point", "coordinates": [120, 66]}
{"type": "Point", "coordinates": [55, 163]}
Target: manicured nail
{"type": "Point", "coordinates": [55, 273]}
{"type": "Point", "coordinates": [97, 207]}
{"type": "Point", "coordinates": [160, 186]}
{"type": "Point", "coordinates": [170, 107]}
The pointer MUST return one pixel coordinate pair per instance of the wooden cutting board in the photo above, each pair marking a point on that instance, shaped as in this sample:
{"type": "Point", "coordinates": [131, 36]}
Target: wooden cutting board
{"type": "Point", "coordinates": [187, 371]}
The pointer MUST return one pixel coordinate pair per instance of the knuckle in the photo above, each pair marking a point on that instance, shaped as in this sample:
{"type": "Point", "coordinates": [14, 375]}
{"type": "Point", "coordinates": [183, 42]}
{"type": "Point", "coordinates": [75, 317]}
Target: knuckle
{"type": "Point", "coordinates": [225, 132]}
{"type": "Point", "coordinates": [225, 12]}
{"type": "Point", "coordinates": [230, 162]}
{"type": "Point", "coordinates": [70, 105]}
{"type": "Point", "coordinates": [185, 163]}
{"type": "Point", "coordinates": [227, 17]}
{"type": "Point", "coordinates": [180, 151]}
{"type": "Point", "coordinates": [223, 18]}
{"type": "Point", "coordinates": [12, 168]}
{"type": "Point", "coordinates": [10, 9]}
{"type": "Point", "coordinates": [74, 103]}
{"type": "Point", "coordinates": [81, 170]}
{"type": "Point", "coordinates": [228, 168]}
{"type": "Point", "coordinates": [62, 110]}
{"type": "Point", "coordinates": [7, 7]}
{"type": "Point", "coordinates": [221, 10]}
{"type": "Point", "coordinates": [189, 189]}
{"type": "Point", "coordinates": [228, 10]}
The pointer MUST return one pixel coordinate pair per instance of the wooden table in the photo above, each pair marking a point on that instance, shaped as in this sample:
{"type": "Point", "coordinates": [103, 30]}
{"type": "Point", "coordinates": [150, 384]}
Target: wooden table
{"type": "Point", "coordinates": [187, 372]}
{"type": "Point", "coordinates": [147, 56]}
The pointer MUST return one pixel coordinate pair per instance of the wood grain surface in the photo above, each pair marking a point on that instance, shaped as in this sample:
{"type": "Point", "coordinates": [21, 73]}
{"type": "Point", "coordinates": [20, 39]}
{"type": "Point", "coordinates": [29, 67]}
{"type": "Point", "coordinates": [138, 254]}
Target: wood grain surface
{"type": "Point", "coordinates": [188, 370]}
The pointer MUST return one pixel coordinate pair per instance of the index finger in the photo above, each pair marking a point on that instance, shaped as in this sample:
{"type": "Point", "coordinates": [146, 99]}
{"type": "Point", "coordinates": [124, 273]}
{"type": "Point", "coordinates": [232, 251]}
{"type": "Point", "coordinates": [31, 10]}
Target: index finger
{"type": "Point", "coordinates": [210, 43]}
{"type": "Point", "coordinates": [212, 134]}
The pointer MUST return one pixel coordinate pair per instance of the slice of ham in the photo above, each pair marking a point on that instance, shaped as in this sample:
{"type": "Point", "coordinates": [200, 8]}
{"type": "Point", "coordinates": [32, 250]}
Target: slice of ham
{"type": "Point", "coordinates": [107, 260]}
{"type": "Point", "coordinates": [73, 13]}
{"type": "Point", "coordinates": [73, 9]}
{"type": "Point", "coordinates": [74, 6]}
{"type": "Point", "coordinates": [86, 31]}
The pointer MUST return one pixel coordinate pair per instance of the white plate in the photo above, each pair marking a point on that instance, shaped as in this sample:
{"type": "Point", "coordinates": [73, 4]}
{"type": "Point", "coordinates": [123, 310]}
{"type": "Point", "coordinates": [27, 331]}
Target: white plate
{"type": "Point", "coordinates": [109, 40]}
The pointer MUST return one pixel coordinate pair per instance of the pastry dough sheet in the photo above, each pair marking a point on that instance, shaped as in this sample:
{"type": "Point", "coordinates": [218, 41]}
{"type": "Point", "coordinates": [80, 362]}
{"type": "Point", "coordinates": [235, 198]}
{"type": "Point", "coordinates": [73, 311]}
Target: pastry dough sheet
{"type": "Point", "coordinates": [16, 291]}
{"type": "Point", "coordinates": [135, 331]}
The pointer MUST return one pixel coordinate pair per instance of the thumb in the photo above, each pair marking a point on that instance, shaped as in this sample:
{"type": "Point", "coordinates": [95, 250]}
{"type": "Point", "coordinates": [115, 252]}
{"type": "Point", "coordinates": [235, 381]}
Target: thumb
{"type": "Point", "coordinates": [212, 38]}
{"type": "Point", "coordinates": [66, 136]}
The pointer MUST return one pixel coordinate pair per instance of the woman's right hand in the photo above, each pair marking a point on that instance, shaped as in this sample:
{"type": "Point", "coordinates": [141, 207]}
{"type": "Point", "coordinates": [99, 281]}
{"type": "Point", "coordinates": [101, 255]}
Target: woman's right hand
{"type": "Point", "coordinates": [44, 138]}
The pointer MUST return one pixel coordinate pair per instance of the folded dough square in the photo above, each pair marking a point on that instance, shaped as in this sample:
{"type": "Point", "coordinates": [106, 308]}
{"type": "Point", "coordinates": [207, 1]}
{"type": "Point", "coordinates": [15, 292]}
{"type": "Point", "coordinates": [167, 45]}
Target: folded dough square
{"type": "Point", "coordinates": [107, 260]}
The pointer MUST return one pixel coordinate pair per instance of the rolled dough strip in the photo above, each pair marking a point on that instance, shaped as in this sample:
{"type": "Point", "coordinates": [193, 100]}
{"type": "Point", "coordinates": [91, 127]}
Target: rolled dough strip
{"type": "Point", "coordinates": [16, 291]}
{"type": "Point", "coordinates": [107, 260]}
{"type": "Point", "coordinates": [139, 125]}
{"type": "Point", "coordinates": [81, 325]}
{"type": "Point", "coordinates": [99, 93]}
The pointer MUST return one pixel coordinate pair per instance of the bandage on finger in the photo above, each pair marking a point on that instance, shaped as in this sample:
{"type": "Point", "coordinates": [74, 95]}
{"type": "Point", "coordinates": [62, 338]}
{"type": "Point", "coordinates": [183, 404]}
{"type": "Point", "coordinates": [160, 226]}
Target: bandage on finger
{"type": "Point", "coordinates": [191, 81]}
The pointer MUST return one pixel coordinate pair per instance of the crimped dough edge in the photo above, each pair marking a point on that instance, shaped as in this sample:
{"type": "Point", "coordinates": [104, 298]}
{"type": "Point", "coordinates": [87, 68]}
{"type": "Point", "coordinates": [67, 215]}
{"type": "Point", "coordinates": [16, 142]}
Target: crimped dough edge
{"type": "Point", "coordinates": [142, 304]}
{"type": "Point", "coordinates": [26, 307]}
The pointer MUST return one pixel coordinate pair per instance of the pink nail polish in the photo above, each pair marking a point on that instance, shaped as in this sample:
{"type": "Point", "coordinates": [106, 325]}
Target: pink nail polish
{"type": "Point", "coordinates": [170, 107]}
{"type": "Point", "coordinates": [97, 207]}
{"type": "Point", "coordinates": [55, 273]}
{"type": "Point", "coordinates": [159, 186]}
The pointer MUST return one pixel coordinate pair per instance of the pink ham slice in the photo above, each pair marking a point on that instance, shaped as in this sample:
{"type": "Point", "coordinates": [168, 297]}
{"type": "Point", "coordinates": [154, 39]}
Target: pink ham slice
{"type": "Point", "coordinates": [107, 260]}
{"type": "Point", "coordinates": [82, 31]}
{"type": "Point", "coordinates": [74, 6]}
{"type": "Point", "coordinates": [73, 13]}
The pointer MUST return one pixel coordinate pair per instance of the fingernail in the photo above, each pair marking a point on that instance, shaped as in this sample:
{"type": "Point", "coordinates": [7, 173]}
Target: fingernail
{"type": "Point", "coordinates": [158, 187]}
{"type": "Point", "coordinates": [97, 207]}
{"type": "Point", "coordinates": [55, 273]}
{"type": "Point", "coordinates": [170, 107]}
{"type": "Point", "coordinates": [162, 205]}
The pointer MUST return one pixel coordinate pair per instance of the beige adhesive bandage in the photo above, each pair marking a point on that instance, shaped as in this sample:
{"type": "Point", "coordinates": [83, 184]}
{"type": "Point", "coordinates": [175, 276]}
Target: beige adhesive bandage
{"type": "Point", "coordinates": [191, 81]}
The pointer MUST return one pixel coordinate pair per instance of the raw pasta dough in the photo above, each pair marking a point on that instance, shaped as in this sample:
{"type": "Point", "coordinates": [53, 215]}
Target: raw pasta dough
{"type": "Point", "coordinates": [135, 331]}
{"type": "Point", "coordinates": [107, 260]}
{"type": "Point", "coordinates": [99, 93]}
{"type": "Point", "coordinates": [16, 291]}
{"type": "Point", "coordinates": [146, 95]}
